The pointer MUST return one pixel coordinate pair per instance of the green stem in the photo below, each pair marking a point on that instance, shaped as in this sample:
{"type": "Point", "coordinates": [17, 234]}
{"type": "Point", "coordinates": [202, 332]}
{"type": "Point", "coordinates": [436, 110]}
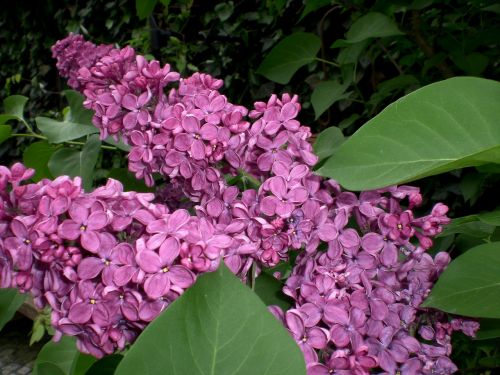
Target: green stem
{"type": "Point", "coordinates": [327, 62]}
{"type": "Point", "coordinates": [83, 143]}
{"type": "Point", "coordinates": [33, 135]}
{"type": "Point", "coordinates": [252, 276]}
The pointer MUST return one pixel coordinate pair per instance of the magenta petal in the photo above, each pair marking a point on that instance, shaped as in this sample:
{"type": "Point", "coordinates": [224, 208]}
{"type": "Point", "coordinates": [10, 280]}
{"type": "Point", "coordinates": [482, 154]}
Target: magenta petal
{"type": "Point", "coordinates": [387, 362]}
{"type": "Point", "coordinates": [149, 261]}
{"type": "Point", "coordinates": [317, 369]}
{"type": "Point", "coordinates": [69, 230]}
{"type": "Point", "coordinates": [277, 185]}
{"type": "Point", "coordinates": [317, 338]}
{"type": "Point", "coordinates": [156, 240]}
{"type": "Point", "coordinates": [80, 312]}
{"type": "Point", "coordinates": [123, 275]}
{"type": "Point", "coordinates": [157, 285]}
{"type": "Point", "coordinates": [268, 206]}
{"type": "Point", "coordinates": [177, 219]}
{"type": "Point", "coordinates": [339, 336]}
{"type": "Point", "coordinates": [90, 241]}
{"type": "Point", "coordinates": [327, 232]}
{"type": "Point", "coordinates": [18, 228]}
{"type": "Point", "coordinates": [198, 149]}
{"type": "Point", "coordinates": [97, 220]}
{"type": "Point", "coordinates": [78, 213]}
{"type": "Point", "coordinates": [157, 226]}
{"type": "Point", "coordinates": [208, 132]}
{"type": "Point", "coordinates": [215, 207]}
{"type": "Point", "coordinates": [191, 124]}
{"type": "Point", "coordinates": [372, 242]}
{"type": "Point", "coordinates": [181, 276]}
{"type": "Point", "coordinates": [335, 314]}
{"type": "Point", "coordinates": [169, 250]}
{"type": "Point", "coordinates": [389, 255]}
{"type": "Point", "coordinates": [89, 268]}
{"type": "Point", "coordinates": [150, 310]}
{"type": "Point", "coordinates": [130, 312]}
{"type": "Point", "coordinates": [295, 324]}
{"type": "Point", "coordinates": [183, 141]}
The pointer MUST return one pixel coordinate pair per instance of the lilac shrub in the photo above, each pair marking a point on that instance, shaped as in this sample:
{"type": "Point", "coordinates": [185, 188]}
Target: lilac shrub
{"type": "Point", "coordinates": [108, 262]}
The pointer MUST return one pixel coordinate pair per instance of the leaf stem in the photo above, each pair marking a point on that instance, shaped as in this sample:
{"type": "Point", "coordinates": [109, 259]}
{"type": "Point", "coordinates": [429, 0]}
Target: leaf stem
{"type": "Point", "coordinates": [327, 62]}
{"type": "Point", "coordinates": [34, 135]}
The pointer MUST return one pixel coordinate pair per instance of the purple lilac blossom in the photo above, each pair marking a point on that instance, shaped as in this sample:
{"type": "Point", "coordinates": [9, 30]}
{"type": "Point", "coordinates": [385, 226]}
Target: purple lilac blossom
{"type": "Point", "coordinates": [110, 261]}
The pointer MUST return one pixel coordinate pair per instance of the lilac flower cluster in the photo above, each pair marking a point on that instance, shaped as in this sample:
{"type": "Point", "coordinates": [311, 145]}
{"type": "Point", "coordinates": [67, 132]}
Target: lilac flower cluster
{"type": "Point", "coordinates": [357, 284]}
{"type": "Point", "coordinates": [107, 262]}
{"type": "Point", "coordinates": [357, 302]}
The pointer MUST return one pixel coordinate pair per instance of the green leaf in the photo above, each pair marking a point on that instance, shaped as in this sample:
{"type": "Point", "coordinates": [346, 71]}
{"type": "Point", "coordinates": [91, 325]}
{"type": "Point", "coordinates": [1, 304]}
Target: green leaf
{"type": "Point", "coordinates": [470, 285]}
{"type": "Point", "coordinates": [478, 225]}
{"type": "Point", "coordinates": [469, 225]}
{"type": "Point", "coordinates": [443, 126]}
{"type": "Point", "coordinates": [62, 131]}
{"type": "Point", "coordinates": [349, 54]}
{"type": "Point", "coordinates": [37, 332]}
{"type": "Point", "coordinates": [473, 64]}
{"type": "Point", "coordinates": [312, 6]}
{"type": "Point", "coordinates": [327, 142]}
{"type": "Point", "coordinates": [327, 93]}
{"type": "Point", "coordinates": [78, 113]}
{"type": "Point", "coordinates": [105, 366]}
{"type": "Point", "coordinates": [120, 145]}
{"type": "Point", "coordinates": [37, 156]}
{"type": "Point", "coordinates": [218, 326]}
{"type": "Point", "coordinates": [60, 357]}
{"type": "Point", "coordinates": [489, 329]}
{"type": "Point", "coordinates": [83, 364]}
{"type": "Point", "coordinates": [14, 106]}
{"type": "Point", "coordinates": [5, 132]}
{"type": "Point", "coordinates": [5, 118]}
{"type": "Point", "coordinates": [492, 218]}
{"type": "Point", "coordinates": [269, 289]}
{"type": "Point", "coordinates": [47, 368]}
{"type": "Point", "coordinates": [127, 178]}
{"type": "Point", "coordinates": [288, 56]}
{"type": "Point", "coordinates": [74, 162]}
{"type": "Point", "coordinates": [372, 25]}
{"type": "Point", "coordinates": [144, 7]}
{"type": "Point", "coordinates": [10, 301]}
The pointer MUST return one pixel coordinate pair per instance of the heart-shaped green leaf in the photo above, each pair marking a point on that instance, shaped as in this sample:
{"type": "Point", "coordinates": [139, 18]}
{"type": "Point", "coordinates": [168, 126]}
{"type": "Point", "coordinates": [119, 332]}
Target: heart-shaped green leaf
{"type": "Point", "coordinates": [10, 301]}
{"type": "Point", "coordinates": [470, 285]}
{"type": "Point", "coordinates": [74, 162]}
{"type": "Point", "coordinates": [327, 142]}
{"type": "Point", "coordinates": [37, 156]}
{"type": "Point", "coordinates": [443, 126]}
{"type": "Point", "coordinates": [14, 106]}
{"type": "Point", "coordinates": [62, 358]}
{"type": "Point", "coordinates": [219, 326]}
{"type": "Point", "coordinates": [62, 131]}
{"type": "Point", "coordinates": [78, 113]}
{"type": "Point", "coordinates": [326, 94]}
{"type": "Point", "coordinates": [5, 132]}
{"type": "Point", "coordinates": [372, 25]}
{"type": "Point", "coordinates": [288, 56]}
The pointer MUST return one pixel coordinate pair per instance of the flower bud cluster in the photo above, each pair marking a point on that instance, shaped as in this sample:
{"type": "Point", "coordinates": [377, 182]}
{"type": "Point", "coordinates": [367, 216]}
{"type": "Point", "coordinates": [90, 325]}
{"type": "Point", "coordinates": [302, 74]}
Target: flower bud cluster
{"type": "Point", "coordinates": [357, 283]}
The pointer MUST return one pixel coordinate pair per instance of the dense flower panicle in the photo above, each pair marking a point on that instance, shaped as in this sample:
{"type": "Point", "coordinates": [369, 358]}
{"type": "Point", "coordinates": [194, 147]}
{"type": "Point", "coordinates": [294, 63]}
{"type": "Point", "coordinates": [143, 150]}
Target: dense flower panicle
{"type": "Point", "coordinates": [103, 260]}
{"type": "Point", "coordinates": [109, 262]}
